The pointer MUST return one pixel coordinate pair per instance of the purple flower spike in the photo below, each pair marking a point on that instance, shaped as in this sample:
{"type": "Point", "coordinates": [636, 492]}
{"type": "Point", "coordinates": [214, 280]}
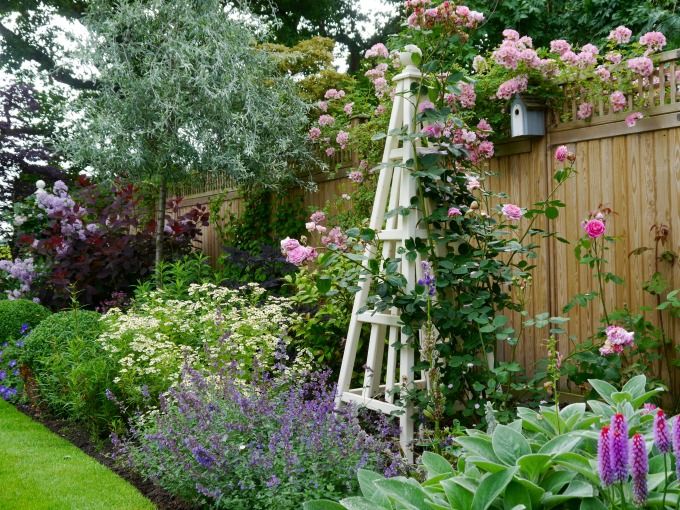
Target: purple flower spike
{"type": "Point", "coordinates": [676, 445]}
{"type": "Point", "coordinates": [604, 458]}
{"type": "Point", "coordinates": [639, 468]}
{"type": "Point", "coordinates": [662, 438]}
{"type": "Point", "coordinates": [619, 447]}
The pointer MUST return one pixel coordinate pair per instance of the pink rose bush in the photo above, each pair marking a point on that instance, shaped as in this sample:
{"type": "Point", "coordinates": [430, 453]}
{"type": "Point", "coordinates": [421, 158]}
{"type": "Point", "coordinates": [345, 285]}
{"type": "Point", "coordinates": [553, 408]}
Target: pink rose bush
{"type": "Point", "coordinates": [596, 70]}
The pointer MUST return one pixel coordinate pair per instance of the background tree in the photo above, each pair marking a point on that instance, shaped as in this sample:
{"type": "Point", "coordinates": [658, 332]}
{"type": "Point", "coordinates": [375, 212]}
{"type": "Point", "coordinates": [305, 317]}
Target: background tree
{"type": "Point", "coordinates": [26, 147]}
{"type": "Point", "coordinates": [182, 89]}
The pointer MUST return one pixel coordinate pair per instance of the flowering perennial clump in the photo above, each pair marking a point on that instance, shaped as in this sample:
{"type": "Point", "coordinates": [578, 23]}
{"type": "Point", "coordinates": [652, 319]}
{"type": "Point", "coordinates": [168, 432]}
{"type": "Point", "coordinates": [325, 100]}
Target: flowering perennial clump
{"type": "Point", "coordinates": [216, 325]}
{"type": "Point", "coordinates": [271, 442]}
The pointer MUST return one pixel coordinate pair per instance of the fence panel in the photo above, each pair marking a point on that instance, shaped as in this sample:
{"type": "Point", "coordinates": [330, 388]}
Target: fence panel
{"type": "Point", "coordinates": [634, 171]}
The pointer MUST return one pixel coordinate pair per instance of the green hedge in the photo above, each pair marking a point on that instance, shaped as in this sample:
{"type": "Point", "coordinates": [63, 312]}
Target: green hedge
{"type": "Point", "coordinates": [15, 313]}
{"type": "Point", "coordinates": [70, 368]}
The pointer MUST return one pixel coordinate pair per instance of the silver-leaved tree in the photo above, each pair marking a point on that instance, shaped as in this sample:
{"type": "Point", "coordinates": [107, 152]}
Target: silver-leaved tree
{"type": "Point", "coordinates": [182, 89]}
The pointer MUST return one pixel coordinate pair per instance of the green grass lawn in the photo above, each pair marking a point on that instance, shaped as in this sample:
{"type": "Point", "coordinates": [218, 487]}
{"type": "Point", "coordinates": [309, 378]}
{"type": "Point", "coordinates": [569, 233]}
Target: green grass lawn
{"type": "Point", "coordinates": [40, 470]}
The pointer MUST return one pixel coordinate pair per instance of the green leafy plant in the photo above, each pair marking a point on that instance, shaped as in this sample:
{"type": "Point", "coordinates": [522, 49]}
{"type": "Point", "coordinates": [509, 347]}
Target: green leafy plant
{"type": "Point", "coordinates": [544, 459]}
{"type": "Point", "coordinates": [324, 299]}
{"type": "Point", "coordinates": [70, 370]}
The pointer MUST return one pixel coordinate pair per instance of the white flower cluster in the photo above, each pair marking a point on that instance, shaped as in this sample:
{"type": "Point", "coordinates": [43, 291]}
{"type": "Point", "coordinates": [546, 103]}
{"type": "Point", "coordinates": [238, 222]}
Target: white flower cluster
{"type": "Point", "coordinates": [216, 326]}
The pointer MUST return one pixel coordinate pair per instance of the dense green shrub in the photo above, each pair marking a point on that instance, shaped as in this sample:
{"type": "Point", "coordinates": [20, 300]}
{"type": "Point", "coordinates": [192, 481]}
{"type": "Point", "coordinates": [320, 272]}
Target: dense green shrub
{"type": "Point", "coordinates": [70, 369]}
{"type": "Point", "coordinates": [15, 313]}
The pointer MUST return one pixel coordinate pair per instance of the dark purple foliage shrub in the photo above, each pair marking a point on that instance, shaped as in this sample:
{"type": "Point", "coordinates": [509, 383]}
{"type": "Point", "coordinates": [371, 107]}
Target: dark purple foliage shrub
{"type": "Point", "coordinates": [99, 239]}
{"type": "Point", "coordinates": [265, 444]}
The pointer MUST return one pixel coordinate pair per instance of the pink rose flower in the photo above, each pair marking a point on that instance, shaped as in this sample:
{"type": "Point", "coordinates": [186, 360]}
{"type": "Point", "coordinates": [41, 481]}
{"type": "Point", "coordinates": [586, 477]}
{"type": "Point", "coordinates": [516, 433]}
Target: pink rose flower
{"type": "Point", "coordinates": [433, 130]}
{"type": "Point", "coordinates": [618, 101]}
{"type": "Point", "coordinates": [314, 133]}
{"type": "Point", "coordinates": [425, 105]}
{"type": "Point", "coordinates": [348, 108]}
{"type": "Point", "coordinates": [472, 183]}
{"type": "Point", "coordinates": [318, 217]}
{"type": "Point", "coordinates": [342, 139]}
{"type": "Point", "coordinates": [594, 228]}
{"type": "Point", "coordinates": [356, 176]}
{"type": "Point", "coordinates": [454, 211]}
{"type": "Point", "coordinates": [585, 111]}
{"type": "Point", "coordinates": [299, 255]}
{"type": "Point", "coordinates": [559, 46]}
{"type": "Point", "coordinates": [603, 73]}
{"type": "Point", "coordinates": [486, 149]}
{"type": "Point", "coordinates": [632, 119]}
{"type": "Point", "coordinates": [513, 86]}
{"type": "Point", "coordinates": [483, 125]}
{"type": "Point", "coordinates": [512, 212]}
{"type": "Point", "coordinates": [330, 152]}
{"type": "Point", "coordinates": [655, 41]}
{"type": "Point", "coordinates": [561, 153]}
{"type": "Point", "coordinates": [641, 65]}
{"type": "Point", "coordinates": [326, 120]}
{"type": "Point", "coordinates": [620, 35]}
{"type": "Point", "coordinates": [377, 50]}
{"type": "Point", "coordinates": [288, 244]}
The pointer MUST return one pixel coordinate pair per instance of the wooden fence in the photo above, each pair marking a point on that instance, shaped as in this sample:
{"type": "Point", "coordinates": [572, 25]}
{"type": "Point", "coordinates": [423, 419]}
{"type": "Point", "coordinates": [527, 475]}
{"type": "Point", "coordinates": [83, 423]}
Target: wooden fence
{"type": "Point", "coordinates": [633, 170]}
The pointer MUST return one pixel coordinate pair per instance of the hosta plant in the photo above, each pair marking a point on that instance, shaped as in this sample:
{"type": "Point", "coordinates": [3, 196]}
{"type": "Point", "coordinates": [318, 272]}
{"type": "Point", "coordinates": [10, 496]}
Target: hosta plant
{"type": "Point", "coordinates": [545, 459]}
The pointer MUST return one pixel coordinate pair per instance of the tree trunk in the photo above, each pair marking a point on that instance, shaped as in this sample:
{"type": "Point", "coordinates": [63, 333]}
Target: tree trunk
{"type": "Point", "coordinates": [160, 226]}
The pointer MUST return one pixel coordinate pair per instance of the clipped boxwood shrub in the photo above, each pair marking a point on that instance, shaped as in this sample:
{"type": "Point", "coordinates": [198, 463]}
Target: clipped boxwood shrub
{"type": "Point", "coordinates": [15, 313]}
{"type": "Point", "coordinates": [70, 369]}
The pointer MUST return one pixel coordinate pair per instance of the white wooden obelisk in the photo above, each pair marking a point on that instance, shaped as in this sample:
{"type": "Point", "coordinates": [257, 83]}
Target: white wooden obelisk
{"type": "Point", "coordinates": [395, 188]}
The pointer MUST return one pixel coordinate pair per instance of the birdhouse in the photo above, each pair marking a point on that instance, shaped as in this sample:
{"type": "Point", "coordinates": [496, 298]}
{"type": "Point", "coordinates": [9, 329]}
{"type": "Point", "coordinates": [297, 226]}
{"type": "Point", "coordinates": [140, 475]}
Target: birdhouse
{"type": "Point", "coordinates": [527, 117]}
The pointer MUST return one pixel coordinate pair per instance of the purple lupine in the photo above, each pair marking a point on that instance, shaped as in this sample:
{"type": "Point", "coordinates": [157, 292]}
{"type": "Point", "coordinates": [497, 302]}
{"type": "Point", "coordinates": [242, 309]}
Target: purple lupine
{"type": "Point", "coordinates": [638, 468]}
{"type": "Point", "coordinates": [676, 445]}
{"type": "Point", "coordinates": [619, 447]}
{"type": "Point", "coordinates": [662, 438]}
{"type": "Point", "coordinates": [604, 457]}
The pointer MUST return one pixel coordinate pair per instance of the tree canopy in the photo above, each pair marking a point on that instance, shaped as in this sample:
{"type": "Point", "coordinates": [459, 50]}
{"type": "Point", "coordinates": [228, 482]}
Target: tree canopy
{"type": "Point", "coordinates": [182, 88]}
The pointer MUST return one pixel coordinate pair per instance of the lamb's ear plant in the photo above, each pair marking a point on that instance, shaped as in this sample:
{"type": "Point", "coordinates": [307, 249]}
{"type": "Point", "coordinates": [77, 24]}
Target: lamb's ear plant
{"type": "Point", "coordinates": [547, 458]}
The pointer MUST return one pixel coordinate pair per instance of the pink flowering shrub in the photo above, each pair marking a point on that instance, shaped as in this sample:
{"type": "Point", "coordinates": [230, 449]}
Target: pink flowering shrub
{"type": "Point", "coordinates": [564, 71]}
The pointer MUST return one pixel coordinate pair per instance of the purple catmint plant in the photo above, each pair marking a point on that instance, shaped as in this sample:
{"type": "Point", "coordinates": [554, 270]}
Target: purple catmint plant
{"type": "Point", "coordinates": [269, 442]}
{"type": "Point", "coordinates": [639, 467]}
{"type": "Point", "coordinates": [662, 434]}
{"type": "Point", "coordinates": [618, 445]}
{"type": "Point", "coordinates": [604, 464]}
